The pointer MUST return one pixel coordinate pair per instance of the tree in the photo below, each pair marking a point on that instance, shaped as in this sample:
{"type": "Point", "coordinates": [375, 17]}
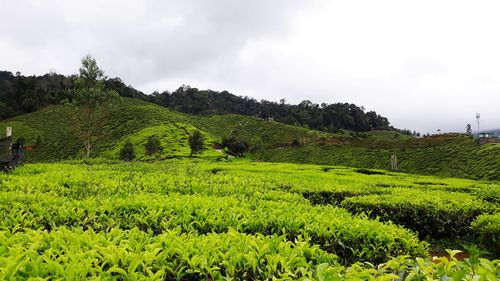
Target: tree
{"type": "Point", "coordinates": [153, 145]}
{"type": "Point", "coordinates": [235, 146]}
{"type": "Point", "coordinates": [196, 142]}
{"type": "Point", "coordinates": [127, 153]}
{"type": "Point", "coordinates": [468, 129]}
{"type": "Point", "coordinates": [91, 102]}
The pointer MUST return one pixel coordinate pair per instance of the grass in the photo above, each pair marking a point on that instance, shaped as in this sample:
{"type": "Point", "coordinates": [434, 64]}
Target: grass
{"type": "Point", "coordinates": [255, 130]}
{"type": "Point", "coordinates": [173, 138]}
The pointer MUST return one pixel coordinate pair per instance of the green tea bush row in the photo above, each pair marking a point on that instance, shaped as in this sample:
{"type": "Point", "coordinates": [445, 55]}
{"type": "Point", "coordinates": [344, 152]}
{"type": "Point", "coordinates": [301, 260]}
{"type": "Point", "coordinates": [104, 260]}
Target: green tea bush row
{"type": "Point", "coordinates": [100, 180]}
{"type": "Point", "coordinates": [352, 237]}
{"type": "Point", "coordinates": [134, 254]}
{"type": "Point", "coordinates": [487, 229]}
{"type": "Point", "coordinates": [432, 213]}
{"type": "Point", "coordinates": [75, 254]}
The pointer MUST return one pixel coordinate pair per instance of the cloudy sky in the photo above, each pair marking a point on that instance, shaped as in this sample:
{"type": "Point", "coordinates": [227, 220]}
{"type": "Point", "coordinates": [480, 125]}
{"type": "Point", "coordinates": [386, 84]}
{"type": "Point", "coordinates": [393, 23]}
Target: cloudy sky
{"type": "Point", "coordinates": [426, 65]}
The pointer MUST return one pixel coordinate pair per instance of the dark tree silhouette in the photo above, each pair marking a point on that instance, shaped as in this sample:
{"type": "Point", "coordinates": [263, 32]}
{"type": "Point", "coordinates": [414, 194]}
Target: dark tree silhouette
{"type": "Point", "coordinates": [153, 145]}
{"type": "Point", "coordinates": [127, 153]}
{"type": "Point", "coordinates": [196, 142]}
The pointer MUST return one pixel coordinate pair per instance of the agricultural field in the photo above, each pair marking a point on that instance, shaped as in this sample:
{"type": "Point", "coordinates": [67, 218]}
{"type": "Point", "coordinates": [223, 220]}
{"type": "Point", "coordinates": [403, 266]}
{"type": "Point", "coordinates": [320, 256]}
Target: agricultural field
{"type": "Point", "coordinates": [136, 120]}
{"type": "Point", "coordinates": [446, 156]}
{"type": "Point", "coordinates": [240, 220]}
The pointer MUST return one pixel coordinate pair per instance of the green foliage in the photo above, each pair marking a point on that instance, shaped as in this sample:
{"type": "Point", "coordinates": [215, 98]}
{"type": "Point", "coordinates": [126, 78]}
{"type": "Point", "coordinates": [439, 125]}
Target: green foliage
{"type": "Point", "coordinates": [90, 100]}
{"type": "Point", "coordinates": [127, 196]}
{"type": "Point", "coordinates": [272, 134]}
{"type": "Point", "coordinates": [235, 146]}
{"type": "Point", "coordinates": [305, 114]}
{"type": "Point", "coordinates": [173, 137]}
{"type": "Point", "coordinates": [133, 254]}
{"type": "Point", "coordinates": [432, 213]}
{"type": "Point", "coordinates": [153, 145]}
{"type": "Point", "coordinates": [214, 220]}
{"type": "Point", "coordinates": [136, 120]}
{"type": "Point", "coordinates": [127, 153]}
{"type": "Point", "coordinates": [450, 157]}
{"type": "Point", "coordinates": [20, 94]}
{"type": "Point", "coordinates": [442, 268]}
{"type": "Point", "coordinates": [196, 142]}
{"type": "Point", "coordinates": [38, 142]}
{"type": "Point", "coordinates": [90, 73]}
{"type": "Point", "coordinates": [487, 230]}
{"type": "Point", "coordinates": [173, 255]}
{"type": "Point", "coordinates": [351, 237]}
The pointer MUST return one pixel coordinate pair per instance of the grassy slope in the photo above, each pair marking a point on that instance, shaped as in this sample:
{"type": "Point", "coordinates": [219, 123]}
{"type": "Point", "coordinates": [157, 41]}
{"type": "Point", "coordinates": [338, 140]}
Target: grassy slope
{"type": "Point", "coordinates": [136, 120]}
{"type": "Point", "coordinates": [255, 130]}
{"type": "Point", "coordinates": [453, 156]}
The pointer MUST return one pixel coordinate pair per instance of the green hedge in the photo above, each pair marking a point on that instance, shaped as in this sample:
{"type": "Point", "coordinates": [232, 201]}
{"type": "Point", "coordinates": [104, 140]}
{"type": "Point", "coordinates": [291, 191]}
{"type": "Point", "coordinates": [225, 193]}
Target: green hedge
{"type": "Point", "coordinates": [432, 213]}
{"type": "Point", "coordinates": [487, 229]}
{"type": "Point", "coordinates": [75, 254]}
{"type": "Point", "coordinates": [351, 237]}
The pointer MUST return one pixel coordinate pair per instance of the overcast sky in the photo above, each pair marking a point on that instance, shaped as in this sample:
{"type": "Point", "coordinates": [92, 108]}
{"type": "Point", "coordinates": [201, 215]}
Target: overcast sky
{"type": "Point", "coordinates": [426, 65]}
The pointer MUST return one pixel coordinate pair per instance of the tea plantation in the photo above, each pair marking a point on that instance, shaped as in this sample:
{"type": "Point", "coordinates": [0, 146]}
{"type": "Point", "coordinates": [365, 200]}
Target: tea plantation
{"type": "Point", "coordinates": [241, 220]}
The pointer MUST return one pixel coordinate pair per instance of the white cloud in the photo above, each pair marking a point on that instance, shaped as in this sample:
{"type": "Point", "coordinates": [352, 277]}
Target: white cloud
{"type": "Point", "coordinates": [424, 64]}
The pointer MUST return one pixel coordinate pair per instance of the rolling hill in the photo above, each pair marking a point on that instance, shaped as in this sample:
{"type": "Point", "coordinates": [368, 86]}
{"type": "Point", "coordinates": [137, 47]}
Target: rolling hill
{"type": "Point", "coordinates": [448, 156]}
{"type": "Point", "coordinates": [135, 120]}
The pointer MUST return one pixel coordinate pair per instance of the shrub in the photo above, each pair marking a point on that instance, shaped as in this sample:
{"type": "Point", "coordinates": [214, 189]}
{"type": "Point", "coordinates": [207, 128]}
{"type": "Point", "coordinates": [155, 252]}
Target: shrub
{"type": "Point", "coordinates": [257, 145]}
{"type": "Point", "coordinates": [127, 153]}
{"type": "Point", "coordinates": [486, 229]}
{"type": "Point", "coordinates": [235, 146]}
{"type": "Point", "coordinates": [369, 172]}
{"type": "Point", "coordinates": [153, 145]}
{"type": "Point", "coordinates": [433, 213]}
{"type": "Point", "coordinates": [196, 142]}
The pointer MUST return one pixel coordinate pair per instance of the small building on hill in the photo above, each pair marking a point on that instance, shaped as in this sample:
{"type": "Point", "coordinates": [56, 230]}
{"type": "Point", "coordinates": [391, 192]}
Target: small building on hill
{"type": "Point", "coordinates": [489, 136]}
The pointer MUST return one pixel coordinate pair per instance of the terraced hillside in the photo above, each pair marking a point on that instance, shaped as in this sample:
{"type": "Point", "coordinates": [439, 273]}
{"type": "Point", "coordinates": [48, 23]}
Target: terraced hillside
{"type": "Point", "coordinates": [455, 156]}
{"type": "Point", "coordinates": [136, 120]}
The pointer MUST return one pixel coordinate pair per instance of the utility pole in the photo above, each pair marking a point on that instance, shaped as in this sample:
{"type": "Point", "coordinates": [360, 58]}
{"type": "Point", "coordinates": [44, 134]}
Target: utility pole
{"type": "Point", "coordinates": [477, 117]}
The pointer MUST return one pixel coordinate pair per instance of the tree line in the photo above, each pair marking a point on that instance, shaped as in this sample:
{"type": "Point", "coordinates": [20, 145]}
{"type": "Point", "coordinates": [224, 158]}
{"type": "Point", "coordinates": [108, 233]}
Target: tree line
{"type": "Point", "coordinates": [324, 117]}
{"type": "Point", "coordinates": [23, 94]}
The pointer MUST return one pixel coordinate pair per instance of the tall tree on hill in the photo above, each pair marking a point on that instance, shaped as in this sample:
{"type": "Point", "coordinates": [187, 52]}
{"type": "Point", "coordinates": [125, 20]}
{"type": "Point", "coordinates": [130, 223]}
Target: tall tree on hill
{"type": "Point", "coordinates": [91, 102]}
{"type": "Point", "coordinates": [468, 129]}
